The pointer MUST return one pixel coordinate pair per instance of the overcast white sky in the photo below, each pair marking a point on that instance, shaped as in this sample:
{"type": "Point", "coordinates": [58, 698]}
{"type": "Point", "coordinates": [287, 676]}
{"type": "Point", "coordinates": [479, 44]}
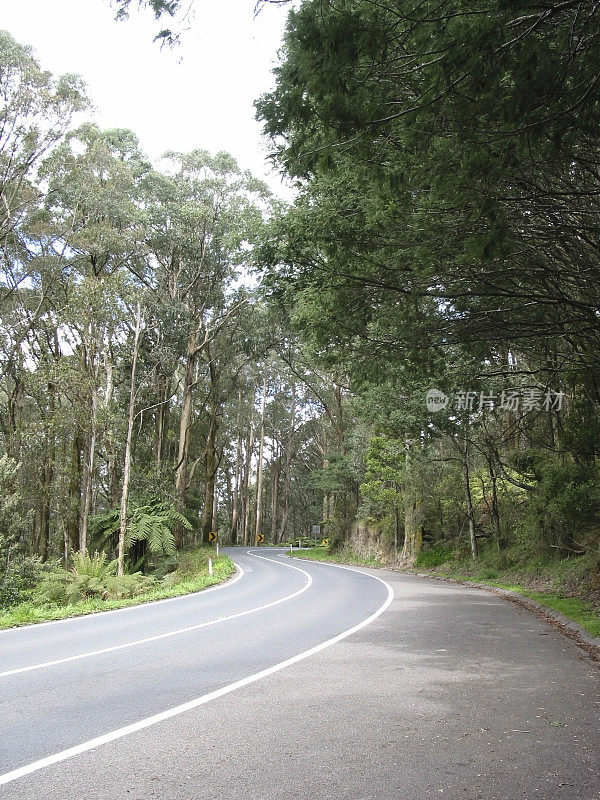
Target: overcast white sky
{"type": "Point", "coordinates": [199, 95]}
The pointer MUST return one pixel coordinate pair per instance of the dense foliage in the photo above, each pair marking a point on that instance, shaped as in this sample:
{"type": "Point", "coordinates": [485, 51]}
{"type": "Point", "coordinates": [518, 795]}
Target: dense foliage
{"type": "Point", "coordinates": [446, 236]}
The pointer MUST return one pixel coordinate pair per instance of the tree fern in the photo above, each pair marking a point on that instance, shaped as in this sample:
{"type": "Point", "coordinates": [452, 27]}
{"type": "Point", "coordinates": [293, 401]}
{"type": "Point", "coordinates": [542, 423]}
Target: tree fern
{"type": "Point", "coordinates": [67, 587]}
{"type": "Point", "coordinates": [95, 566]}
{"type": "Point", "coordinates": [149, 520]}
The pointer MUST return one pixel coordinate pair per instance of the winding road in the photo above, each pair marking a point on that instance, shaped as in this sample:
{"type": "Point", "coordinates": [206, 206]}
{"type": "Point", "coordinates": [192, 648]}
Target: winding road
{"type": "Point", "coordinates": [299, 679]}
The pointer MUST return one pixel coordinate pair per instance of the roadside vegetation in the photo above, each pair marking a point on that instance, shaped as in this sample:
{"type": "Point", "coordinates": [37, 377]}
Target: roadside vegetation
{"type": "Point", "coordinates": [344, 556]}
{"type": "Point", "coordinates": [48, 592]}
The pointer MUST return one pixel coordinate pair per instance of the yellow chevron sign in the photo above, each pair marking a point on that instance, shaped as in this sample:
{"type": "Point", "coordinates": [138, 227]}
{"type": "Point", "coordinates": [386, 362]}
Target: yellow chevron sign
{"type": "Point", "coordinates": [325, 542]}
{"type": "Point", "coordinates": [260, 538]}
{"type": "Point", "coordinates": [212, 536]}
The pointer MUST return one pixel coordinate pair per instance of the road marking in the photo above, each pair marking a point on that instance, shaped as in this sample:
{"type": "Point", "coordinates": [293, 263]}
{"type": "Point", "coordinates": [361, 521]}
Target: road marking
{"type": "Point", "coordinates": [114, 648]}
{"type": "Point", "coordinates": [225, 585]}
{"type": "Point", "coordinates": [274, 561]}
{"type": "Point", "coordinates": [85, 747]}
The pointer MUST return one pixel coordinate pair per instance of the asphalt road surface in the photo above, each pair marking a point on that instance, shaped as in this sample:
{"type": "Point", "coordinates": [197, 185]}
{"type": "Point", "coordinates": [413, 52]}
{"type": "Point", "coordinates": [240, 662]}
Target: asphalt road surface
{"type": "Point", "coordinates": [298, 679]}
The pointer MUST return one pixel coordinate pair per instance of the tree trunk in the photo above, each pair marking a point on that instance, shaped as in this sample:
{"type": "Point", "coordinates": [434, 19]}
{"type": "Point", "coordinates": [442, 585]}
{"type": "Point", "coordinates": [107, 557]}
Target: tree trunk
{"type": "Point", "coordinates": [468, 499]}
{"type": "Point", "coordinates": [229, 500]}
{"type": "Point", "coordinates": [74, 493]}
{"type": "Point", "coordinates": [44, 537]}
{"type": "Point", "coordinates": [127, 464]}
{"type": "Point", "coordinates": [413, 531]}
{"type": "Point", "coordinates": [215, 508]}
{"type": "Point", "coordinates": [185, 425]}
{"type": "Point", "coordinates": [161, 422]}
{"type": "Point", "coordinates": [47, 477]}
{"type": "Point", "coordinates": [275, 470]}
{"type": "Point", "coordinates": [495, 513]}
{"type": "Point", "coordinates": [238, 474]}
{"type": "Point", "coordinates": [325, 498]}
{"type": "Point", "coordinates": [111, 456]}
{"type": "Point", "coordinates": [288, 469]}
{"type": "Point", "coordinates": [259, 480]}
{"type": "Point", "coordinates": [413, 512]}
{"type": "Point", "coordinates": [210, 471]}
{"type": "Point", "coordinates": [248, 470]}
{"type": "Point", "coordinates": [396, 529]}
{"type": "Point", "coordinates": [88, 475]}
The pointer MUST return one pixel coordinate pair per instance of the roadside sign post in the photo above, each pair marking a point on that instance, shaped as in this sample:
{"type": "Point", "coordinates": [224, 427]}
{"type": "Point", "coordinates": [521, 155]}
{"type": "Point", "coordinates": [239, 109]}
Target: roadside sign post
{"type": "Point", "coordinates": [209, 565]}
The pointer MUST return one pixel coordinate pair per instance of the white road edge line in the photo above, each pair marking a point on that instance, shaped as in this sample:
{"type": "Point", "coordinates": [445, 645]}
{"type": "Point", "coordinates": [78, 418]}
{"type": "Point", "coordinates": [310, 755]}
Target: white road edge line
{"type": "Point", "coordinates": [85, 747]}
{"type": "Point", "coordinates": [147, 639]}
{"type": "Point", "coordinates": [136, 607]}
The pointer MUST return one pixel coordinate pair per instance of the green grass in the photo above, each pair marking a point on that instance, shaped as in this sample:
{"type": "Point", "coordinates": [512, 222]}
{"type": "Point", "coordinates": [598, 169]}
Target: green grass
{"type": "Point", "coordinates": [572, 607]}
{"type": "Point", "coordinates": [432, 557]}
{"type": "Point", "coordinates": [346, 556]}
{"type": "Point", "coordinates": [191, 576]}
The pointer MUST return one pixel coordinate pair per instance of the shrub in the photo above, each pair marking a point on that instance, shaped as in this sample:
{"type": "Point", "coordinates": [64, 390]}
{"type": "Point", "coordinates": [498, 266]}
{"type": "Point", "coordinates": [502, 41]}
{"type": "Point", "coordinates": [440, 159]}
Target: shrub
{"type": "Point", "coordinates": [18, 580]}
{"type": "Point", "coordinates": [433, 557]}
{"type": "Point", "coordinates": [92, 577]}
{"type": "Point", "coordinates": [96, 566]}
{"type": "Point", "coordinates": [490, 574]}
{"type": "Point", "coordinates": [11, 588]}
{"type": "Point", "coordinates": [565, 505]}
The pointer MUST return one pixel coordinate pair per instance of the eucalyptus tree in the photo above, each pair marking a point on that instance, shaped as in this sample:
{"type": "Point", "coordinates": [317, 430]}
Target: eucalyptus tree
{"type": "Point", "coordinates": [96, 233]}
{"type": "Point", "coordinates": [170, 10]}
{"type": "Point", "coordinates": [36, 112]}
{"type": "Point", "coordinates": [203, 221]}
{"type": "Point", "coordinates": [283, 422]}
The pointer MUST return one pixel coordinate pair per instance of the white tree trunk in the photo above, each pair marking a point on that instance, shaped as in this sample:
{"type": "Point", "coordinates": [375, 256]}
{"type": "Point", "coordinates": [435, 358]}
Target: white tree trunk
{"type": "Point", "coordinates": [89, 475]}
{"type": "Point", "coordinates": [288, 468]}
{"type": "Point", "coordinates": [246, 531]}
{"type": "Point", "coordinates": [238, 474]}
{"type": "Point", "coordinates": [127, 466]}
{"type": "Point", "coordinates": [259, 480]}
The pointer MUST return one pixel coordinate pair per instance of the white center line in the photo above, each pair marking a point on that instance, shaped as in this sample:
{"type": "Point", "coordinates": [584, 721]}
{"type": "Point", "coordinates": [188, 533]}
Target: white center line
{"type": "Point", "coordinates": [137, 642]}
{"type": "Point", "coordinates": [84, 747]}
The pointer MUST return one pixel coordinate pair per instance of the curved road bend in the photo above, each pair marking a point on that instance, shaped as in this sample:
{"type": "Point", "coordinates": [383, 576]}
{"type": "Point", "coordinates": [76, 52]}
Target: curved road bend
{"type": "Point", "coordinates": [449, 693]}
{"type": "Point", "coordinates": [67, 682]}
